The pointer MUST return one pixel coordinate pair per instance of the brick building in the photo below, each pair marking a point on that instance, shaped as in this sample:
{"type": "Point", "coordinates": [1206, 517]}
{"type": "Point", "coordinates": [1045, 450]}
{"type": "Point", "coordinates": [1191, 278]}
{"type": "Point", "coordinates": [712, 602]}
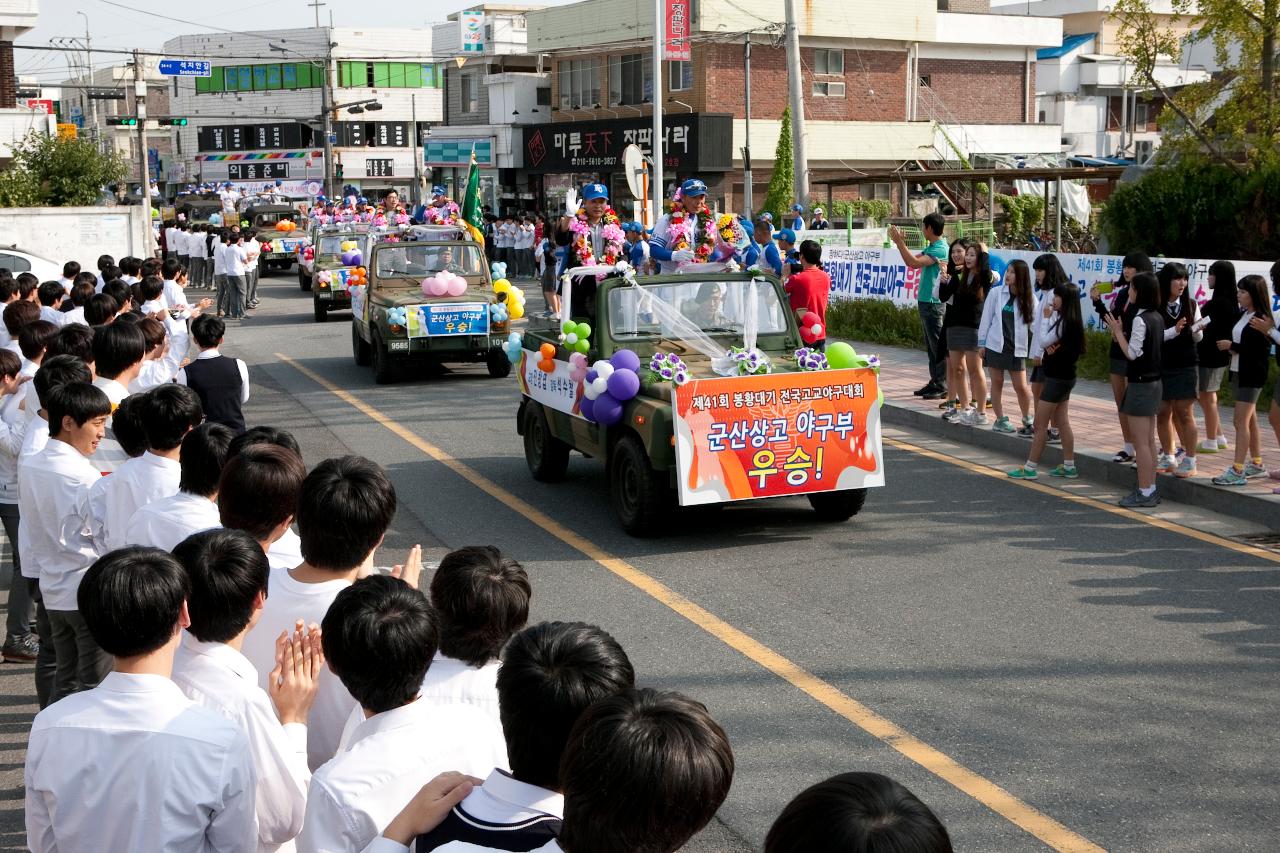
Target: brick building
{"type": "Point", "coordinates": [890, 82]}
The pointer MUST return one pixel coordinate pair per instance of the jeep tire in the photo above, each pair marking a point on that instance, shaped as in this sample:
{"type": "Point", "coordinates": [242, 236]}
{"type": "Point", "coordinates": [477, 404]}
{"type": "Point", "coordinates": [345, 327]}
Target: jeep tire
{"type": "Point", "coordinates": [641, 496]}
{"type": "Point", "coordinates": [546, 455]}
{"type": "Point", "coordinates": [838, 506]}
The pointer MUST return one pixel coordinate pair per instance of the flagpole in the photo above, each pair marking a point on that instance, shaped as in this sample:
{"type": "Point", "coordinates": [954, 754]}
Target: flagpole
{"type": "Point", "coordinates": [659, 31]}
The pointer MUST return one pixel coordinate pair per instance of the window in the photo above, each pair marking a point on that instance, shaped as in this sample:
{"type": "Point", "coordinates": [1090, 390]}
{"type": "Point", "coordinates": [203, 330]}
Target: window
{"type": "Point", "coordinates": [387, 75]}
{"type": "Point", "coordinates": [828, 61]}
{"type": "Point", "coordinates": [630, 79]}
{"type": "Point", "coordinates": [579, 83]}
{"type": "Point", "coordinates": [679, 76]}
{"type": "Point", "coordinates": [828, 90]}
{"type": "Point", "coordinates": [273, 77]}
{"type": "Point", "coordinates": [1140, 116]}
{"type": "Point", "coordinates": [926, 81]}
{"type": "Point", "coordinates": [469, 91]}
{"type": "Point", "coordinates": [542, 96]}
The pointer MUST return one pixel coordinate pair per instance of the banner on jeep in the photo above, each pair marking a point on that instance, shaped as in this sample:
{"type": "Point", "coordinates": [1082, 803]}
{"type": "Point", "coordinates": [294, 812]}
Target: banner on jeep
{"type": "Point", "coordinates": [750, 437]}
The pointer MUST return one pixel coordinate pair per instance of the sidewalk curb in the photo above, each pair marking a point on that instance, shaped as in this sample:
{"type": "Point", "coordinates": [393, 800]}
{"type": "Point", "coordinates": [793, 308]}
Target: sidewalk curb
{"type": "Point", "coordinates": [1262, 510]}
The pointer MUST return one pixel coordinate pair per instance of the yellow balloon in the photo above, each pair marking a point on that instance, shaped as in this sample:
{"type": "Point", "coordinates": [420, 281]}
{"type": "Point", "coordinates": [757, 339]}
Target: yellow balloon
{"type": "Point", "coordinates": [501, 286]}
{"type": "Point", "coordinates": [516, 311]}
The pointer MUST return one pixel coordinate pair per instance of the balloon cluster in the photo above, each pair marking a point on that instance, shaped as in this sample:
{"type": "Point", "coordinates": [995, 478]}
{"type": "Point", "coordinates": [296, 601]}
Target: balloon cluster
{"type": "Point", "coordinates": [576, 336]}
{"type": "Point", "coordinates": [814, 328]}
{"type": "Point", "coordinates": [398, 316]}
{"type": "Point", "coordinates": [444, 284]}
{"type": "Point", "coordinates": [547, 364]}
{"type": "Point", "coordinates": [509, 294]}
{"type": "Point", "coordinates": [810, 359]}
{"type": "Point", "coordinates": [309, 253]}
{"type": "Point", "coordinates": [498, 312]}
{"type": "Point", "coordinates": [608, 385]}
{"type": "Point", "coordinates": [357, 277]}
{"type": "Point", "coordinates": [577, 367]}
{"type": "Point", "coordinates": [514, 347]}
{"type": "Point", "coordinates": [499, 270]}
{"type": "Point", "coordinates": [286, 225]}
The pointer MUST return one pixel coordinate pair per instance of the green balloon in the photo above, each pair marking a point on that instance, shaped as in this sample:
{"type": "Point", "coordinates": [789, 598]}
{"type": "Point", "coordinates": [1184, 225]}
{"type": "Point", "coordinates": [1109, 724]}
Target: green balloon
{"type": "Point", "coordinates": [584, 330]}
{"type": "Point", "coordinates": [569, 327]}
{"type": "Point", "coordinates": [583, 346]}
{"type": "Point", "coordinates": [840, 355]}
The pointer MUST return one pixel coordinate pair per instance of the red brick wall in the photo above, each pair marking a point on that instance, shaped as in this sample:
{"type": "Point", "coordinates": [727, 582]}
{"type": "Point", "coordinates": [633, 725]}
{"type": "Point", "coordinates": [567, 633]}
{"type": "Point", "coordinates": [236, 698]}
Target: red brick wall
{"type": "Point", "coordinates": [975, 92]}
{"type": "Point", "coordinates": [8, 82]}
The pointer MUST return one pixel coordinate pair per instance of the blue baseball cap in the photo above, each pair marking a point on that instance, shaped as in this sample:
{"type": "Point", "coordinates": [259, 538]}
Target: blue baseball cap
{"type": "Point", "coordinates": [693, 186]}
{"type": "Point", "coordinates": [797, 208]}
{"type": "Point", "coordinates": [785, 234]}
{"type": "Point", "coordinates": [591, 191]}
{"type": "Point", "coordinates": [767, 216]}
{"type": "Point", "coordinates": [437, 190]}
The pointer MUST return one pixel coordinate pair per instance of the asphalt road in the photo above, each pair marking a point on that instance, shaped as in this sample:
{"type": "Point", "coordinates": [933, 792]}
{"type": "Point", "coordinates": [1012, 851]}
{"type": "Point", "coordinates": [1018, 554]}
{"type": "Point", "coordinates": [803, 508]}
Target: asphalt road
{"type": "Point", "coordinates": [1113, 679]}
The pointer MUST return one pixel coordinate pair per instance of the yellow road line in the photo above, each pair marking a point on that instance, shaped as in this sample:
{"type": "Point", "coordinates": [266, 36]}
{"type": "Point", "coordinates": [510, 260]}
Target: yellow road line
{"type": "Point", "coordinates": [991, 795]}
{"type": "Point", "coordinates": [1094, 503]}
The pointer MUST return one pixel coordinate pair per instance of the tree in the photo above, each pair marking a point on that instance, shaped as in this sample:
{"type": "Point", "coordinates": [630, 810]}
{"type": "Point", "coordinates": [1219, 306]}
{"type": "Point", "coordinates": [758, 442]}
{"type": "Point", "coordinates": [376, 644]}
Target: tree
{"type": "Point", "coordinates": [782, 187]}
{"type": "Point", "coordinates": [48, 171]}
{"type": "Point", "coordinates": [1234, 118]}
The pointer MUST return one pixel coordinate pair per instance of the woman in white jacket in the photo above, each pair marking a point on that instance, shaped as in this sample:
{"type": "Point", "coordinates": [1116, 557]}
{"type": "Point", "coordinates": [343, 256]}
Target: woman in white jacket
{"type": "Point", "coordinates": [1005, 334]}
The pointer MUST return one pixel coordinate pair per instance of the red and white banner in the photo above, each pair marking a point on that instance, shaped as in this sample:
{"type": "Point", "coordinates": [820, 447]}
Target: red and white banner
{"type": "Point", "coordinates": [676, 44]}
{"type": "Point", "coordinates": [41, 105]}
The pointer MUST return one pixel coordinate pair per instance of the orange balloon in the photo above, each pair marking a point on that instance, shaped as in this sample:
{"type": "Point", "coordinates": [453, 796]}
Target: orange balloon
{"type": "Point", "coordinates": [363, 272]}
{"type": "Point", "coordinates": [547, 366]}
{"type": "Point", "coordinates": [548, 351]}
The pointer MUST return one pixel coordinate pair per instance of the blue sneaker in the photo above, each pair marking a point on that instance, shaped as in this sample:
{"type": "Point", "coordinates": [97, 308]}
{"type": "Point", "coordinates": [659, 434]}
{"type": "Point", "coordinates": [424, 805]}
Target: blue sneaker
{"type": "Point", "coordinates": [1230, 477]}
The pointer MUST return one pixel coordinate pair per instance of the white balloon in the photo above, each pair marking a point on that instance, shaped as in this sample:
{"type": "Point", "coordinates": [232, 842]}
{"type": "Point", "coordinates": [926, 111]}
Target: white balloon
{"type": "Point", "coordinates": [571, 339]}
{"type": "Point", "coordinates": [600, 386]}
{"type": "Point", "coordinates": [589, 390]}
{"type": "Point", "coordinates": [816, 329]}
{"type": "Point", "coordinates": [603, 369]}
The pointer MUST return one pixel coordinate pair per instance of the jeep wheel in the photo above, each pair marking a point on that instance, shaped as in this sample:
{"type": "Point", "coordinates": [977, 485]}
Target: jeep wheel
{"type": "Point", "coordinates": [383, 367]}
{"type": "Point", "coordinates": [321, 311]}
{"type": "Point", "coordinates": [640, 495]}
{"type": "Point", "coordinates": [359, 347]}
{"type": "Point", "coordinates": [838, 506]}
{"type": "Point", "coordinates": [498, 363]}
{"type": "Point", "coordinates": [304, 280]}
{"type": "Point", "coordinates": [546, 455]}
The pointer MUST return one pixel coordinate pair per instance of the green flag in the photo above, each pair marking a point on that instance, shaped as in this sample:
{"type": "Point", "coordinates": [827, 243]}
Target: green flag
{"type": "Point", "coordinates": [471, 215]}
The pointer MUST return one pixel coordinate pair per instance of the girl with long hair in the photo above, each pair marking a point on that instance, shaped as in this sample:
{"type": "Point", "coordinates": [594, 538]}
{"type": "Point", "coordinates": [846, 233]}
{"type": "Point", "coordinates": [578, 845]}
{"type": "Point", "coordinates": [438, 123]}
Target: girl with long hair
{"type": "Point", "coordinates": [1133, 264]}
{"type": "Point", "coordinates": [948, 281]}
{"type": "Point", "coordinates": [967, 296]}
{"type": "Point", "coordinates": [1250, 348]}
{"type": "Point", "coordinates": [1139, 336]}
{"type": "Point", "coordinates": [1058, 348]}
{"type": "Point", "coordinates": [1219, 316]}
{"type": "Point", "coordinates": [1273, 416]}
{"type": "Point", "coordinates": [1048, 274]}
{"type": "Point", "coordinates": [1005, 334]}
{"type": "Point", "coordinates": [1183, 329]}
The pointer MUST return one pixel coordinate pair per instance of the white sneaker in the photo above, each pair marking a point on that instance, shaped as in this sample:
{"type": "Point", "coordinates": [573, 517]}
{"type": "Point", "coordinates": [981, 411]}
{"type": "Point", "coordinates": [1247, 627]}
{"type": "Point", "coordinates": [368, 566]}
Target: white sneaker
{"type": "Point", "coordinates": [1208, 446]}
{"type": "Point", "coordinates": [1165, 463]}
{"type": "Point", "coordinates": [967, 418]}
{"type": "Point", "coordinates": [981, 419]}
{"type": "Point", "coordinates": [1222, 443]}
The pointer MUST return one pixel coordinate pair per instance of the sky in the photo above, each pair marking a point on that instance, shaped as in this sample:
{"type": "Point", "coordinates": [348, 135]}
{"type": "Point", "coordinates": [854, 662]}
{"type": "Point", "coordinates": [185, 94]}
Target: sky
{"type": "Point", "coordinates": [111, 26]}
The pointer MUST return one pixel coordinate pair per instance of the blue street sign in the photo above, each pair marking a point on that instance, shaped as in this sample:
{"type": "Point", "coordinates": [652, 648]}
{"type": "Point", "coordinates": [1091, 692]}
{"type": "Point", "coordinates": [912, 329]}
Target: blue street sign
{"type": "Point", "coordinates": [186, 68]}
{"type": "Point", "coordinates": [333, 139]}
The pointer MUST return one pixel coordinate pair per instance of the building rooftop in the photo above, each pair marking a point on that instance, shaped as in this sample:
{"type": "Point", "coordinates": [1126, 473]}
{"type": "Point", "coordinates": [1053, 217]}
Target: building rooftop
{"type": "Point", "coordinates": [1069, 44]}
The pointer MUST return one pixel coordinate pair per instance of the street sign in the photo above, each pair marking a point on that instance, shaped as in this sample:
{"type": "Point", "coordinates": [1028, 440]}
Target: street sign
{"type": "Point", "coordinates": [186, 67]}
{"type": "Point", "coordinates": [67, 130]}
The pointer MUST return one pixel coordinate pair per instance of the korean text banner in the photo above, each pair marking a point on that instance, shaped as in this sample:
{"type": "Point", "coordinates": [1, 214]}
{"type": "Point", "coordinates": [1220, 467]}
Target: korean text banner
{"type": "Point", "coordinates": [749, 437]}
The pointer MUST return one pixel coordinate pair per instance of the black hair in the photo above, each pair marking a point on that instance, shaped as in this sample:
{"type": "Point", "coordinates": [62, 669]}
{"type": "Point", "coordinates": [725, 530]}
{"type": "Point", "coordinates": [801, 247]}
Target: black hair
{"type": "Point", "coordinates": [18, 314]}
{"type": "Point", "coordinates": [130, 266]}
{"type": "Point", "coordinates": [56, 371]}
{"type": "Point", "coordinates": [857, 811]}
{"type": "Point", "coordinates": [50, 292]}
{"type": "Point", "coordinates": [1071, 331]}
{"type": "Point", "coordinates": [935, 222]}
{"type": "Point", "coordinates": [259, 488]}
{"type": "Point", "coordinates": [101, 308]}
{"type": "Point", "coordinates": [35, 337]}
{"type": "Point", "coordinates": [128, 424]}
{"type": "Point", "coordinates": [550, 674]}
{"type": "Point", "coordinates": [1256, 287]}
{"type": "Point", "coordinates": [27, 284]}
{"type": "Point", "coordinates": [151, 288]}
{"type": "Point", "coordinates": [1138, 261]}
{"type": "Point", "coordinates": [105, 261]}
{"type": "Point", "coordinates": [10, 364]}
{"type": "Point", "coordinates": [481, 598]}
{"type": "Point", "coordinates": [72, 339]}
{"type": "Point", "coordinates": [1024, 296]}
{"type": "Point", "coordinates": [1168, 273]}
{"type": "Point", "coordinates": [112, 273]}
{"type": "Point", "coordinates": [227, 570]}
{"type": "Point", "coordinates": [811, 251]}
{"type": "Point", "coordinates": [172, 411]}
{"type": "Point", "coordinates": [170, 268]}
{"type": "Point", "coordinates": [1146, 291]}
{"type": "Point", "coordinates": [151, 266]}
{"type": "Point", "coordinates": [345, 508]}
{"type": "Point", "coordinates": [117, 347]}
{"type": "Point", "coordinates": [956, 270]}
{"type": "Point", "coordinates": [8, 288]}
{"type": "Point", "coordinates": [131, 600]}
{"type": "Point", "coordinates": [153, 332]}
{"type": "Point", "coordinates": [265, 435]}
{"type": "Point", "coordinates": [379, 637]}
{"type": "Point", "coordinates": [1224, 284]}
{"type": "Point", "coordinates": [202, 457]}
{"type": "Point", "coordinates": [79, 401]}
{"type": "Point", "coordinates": [1054, 274]}
{"type": "Point", "coordinates": [82, 291]}
{"type": "Point", "coordinates": [643, 771]}
{"type": "Point", "coordinates": [208, 330]}
{"type": "Point", "coordinates": [132, 318]}
{"type": "Point", "coordinates": [119, 291]}
{"type": "Point", "coordinates": [979, 282]}
{"type": "Point", "coordinates": [70, 269]}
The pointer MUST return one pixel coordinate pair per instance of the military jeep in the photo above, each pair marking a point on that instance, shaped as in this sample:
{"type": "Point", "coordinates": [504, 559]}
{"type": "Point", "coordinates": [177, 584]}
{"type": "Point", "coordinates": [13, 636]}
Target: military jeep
{"type": "Point", "coordinates": [439, 329]}
{"type": "Point", "coordinates": [278, 247]}
{"type": "Point", "coordinates": [653, 453]}
{"type": "Point", "coordinates": [326, 275]}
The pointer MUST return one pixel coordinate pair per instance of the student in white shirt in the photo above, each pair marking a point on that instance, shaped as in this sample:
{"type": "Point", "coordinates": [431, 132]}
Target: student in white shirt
{"type": "Point", "coordinates": [228, 573]}
{"type": "Point", "coordinates": [51, 294]}
{"type": "Point", "coordinates": [130, 270]}
{"type": "Point", "coordinates": [151, 289]}
{"type": "Point", "coordinates": [253, 250]}
{"type": "Point", "coordinates": [165, 522]}
{"type": "Point", "coordinates": [70, 270]}
{"type": "Point", "coordinates": [170, 241]}
{"type": "Point", "coordinates": [20, 644]}
{"type": "Point", "coordinates": [8, 294]}
{"type": "Point", "coordinates": [133, 764]}
{"type": "Point", "coordinates": [379, 637]}
{"type": "Point", "coordinates": [284, 549]}
{"type": "Point", "coordinates": [344, 508]}
{"type": "Point", "coordinates": [550, 674]}
{"type": "Point", "coordinates": [81, 292]}
{"type": "Point", "coordinates": [53, 495]}
{"type": "Point", "coordinates": [118, 351]}
{"type": "Point", "coordinates": [33, 340]}
{"type": "Point", "coordinates": [166, 413]}
{"type": "Point", "coordinates": [16, 315]}
{"type": "Point", "coordinates": [218, 267]}
{"type": "Point", "coordinates": [235, 260]}
{"type": "Point", "coordinates": [167, 344]}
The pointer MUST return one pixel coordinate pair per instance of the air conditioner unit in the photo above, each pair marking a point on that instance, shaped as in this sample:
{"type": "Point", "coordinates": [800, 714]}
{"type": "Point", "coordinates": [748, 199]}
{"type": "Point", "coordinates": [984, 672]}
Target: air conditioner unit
{"type": "Point", "coordinates": [1142, 151]}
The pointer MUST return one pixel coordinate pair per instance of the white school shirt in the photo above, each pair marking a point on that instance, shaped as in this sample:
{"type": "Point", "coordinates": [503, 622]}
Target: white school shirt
{"type": "Point", "coordinates": [353, 797]}
{"type": "Point", "coordinates": [134, 765]}
{"type": "Point", "coordinates": [174, 296]}
{"type": "Point", "coordinates": [53, 315]}
{"type": "Point", "coordinates": [116, 497]}
{"type": "Point", "coordinates": [165, 522]}
{"type": "Point", "coordinates": [11, 438]}
{"type": "Point", "coordinates": [66, 283]}
{"type": "Point", "coordinates": [75, 315]}
{"type": "Point", "coordinates": [110, 455]}
{"type": "Point", "coordinates": [252, 251]}
{"type": "Point", "coordinates": [181, 378]}
{"type": "Point", "coordinates": [169, 240]}
{"type": "Point", "coordinates": [234, 259]}
{"type": "Point", "coordinates": [288, 602]}
{"type": "Point", "coordinates": [219, 257]}
{"type": "Point", "coordinates": [158, 371]}
{"type": "Point", "coordinates": [285, 552]}
{"type": "Point", "coordinates": [1236, 333]}
{"type": "Point", "coordinates": [217, 677]}
{"type": "Point", "coordinates": [524, 237]}
{"type": "Point", "coordinates": [53, 497]}
{"type": "Point", "coordinates": [151, 306]}
{"type": "Point", "coordinates": [11, 411]}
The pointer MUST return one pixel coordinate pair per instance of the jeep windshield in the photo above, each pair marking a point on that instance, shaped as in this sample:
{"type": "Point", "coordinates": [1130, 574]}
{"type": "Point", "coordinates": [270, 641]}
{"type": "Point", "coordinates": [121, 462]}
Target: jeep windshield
{"type": "Point", "coordinates": [416, 260]}
{"type": "Point", "coordinates": [330, 246]}
{"type": "Point", "coordinates": [718, 308]}
{"type": "Point", "coordinates": [270, 220]}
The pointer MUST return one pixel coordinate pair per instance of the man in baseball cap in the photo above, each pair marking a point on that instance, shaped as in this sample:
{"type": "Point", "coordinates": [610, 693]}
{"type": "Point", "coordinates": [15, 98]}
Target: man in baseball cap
{"type": "Point", "coordinates": [786, 238]}
{"type": "Point", "coordinates": [819, 221]}
{"type": "Point", "coordinates": [691, 199]}
{"type": "Point", "coordinates": [797, 221]}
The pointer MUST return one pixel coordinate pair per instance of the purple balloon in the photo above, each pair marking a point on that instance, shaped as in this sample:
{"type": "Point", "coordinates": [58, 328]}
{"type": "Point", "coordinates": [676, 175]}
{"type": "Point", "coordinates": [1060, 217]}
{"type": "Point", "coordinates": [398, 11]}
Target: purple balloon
{"type": "Point", "coordinates": [346, 258]}
{"type": "Point", "coordinates": [587, 407]}
{"type": "Point", "coordinates": [592, 375]}
{"type": "Point", "coordinates": [356, 259]}
{"type": "Point", "coordinates": [607, 410]}
{"type": "Point", "coordinates": [624, 384]}
{"type": "Point", "coordinates": [625, 359]}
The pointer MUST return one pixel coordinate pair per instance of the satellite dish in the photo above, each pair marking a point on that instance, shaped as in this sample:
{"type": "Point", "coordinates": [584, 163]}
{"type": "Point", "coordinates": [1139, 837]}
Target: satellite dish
{"type": "Point", "coordinates": [633, 166]}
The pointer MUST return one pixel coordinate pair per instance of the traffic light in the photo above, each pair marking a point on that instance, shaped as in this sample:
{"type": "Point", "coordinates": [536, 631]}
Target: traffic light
{"type": "Point", "coordinates": [172, 122]}
{"type": "Point", "coordinates": [122, 121]}
{"type": "Point", "coordinates": [337, 170]}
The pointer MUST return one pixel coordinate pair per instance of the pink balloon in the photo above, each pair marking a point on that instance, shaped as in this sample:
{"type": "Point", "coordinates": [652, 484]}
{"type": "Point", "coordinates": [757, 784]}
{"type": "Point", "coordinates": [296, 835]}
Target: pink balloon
{"type": "Point", "coordinates": [456, 285]}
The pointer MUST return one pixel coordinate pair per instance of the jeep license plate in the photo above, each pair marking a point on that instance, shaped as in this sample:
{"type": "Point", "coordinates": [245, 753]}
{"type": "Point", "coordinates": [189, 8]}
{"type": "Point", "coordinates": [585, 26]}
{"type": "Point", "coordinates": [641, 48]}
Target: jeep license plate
{"type": "Point", "coordinates": [395, 346]}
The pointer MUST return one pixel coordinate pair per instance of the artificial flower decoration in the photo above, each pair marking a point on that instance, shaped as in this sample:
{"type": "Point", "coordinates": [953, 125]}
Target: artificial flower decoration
{"type": "Point", "coordinates": [810, 359]}
{"type": "Point", "coordinates": [668, 367]}
{"type": "Point", "coordinates": [751, 362]}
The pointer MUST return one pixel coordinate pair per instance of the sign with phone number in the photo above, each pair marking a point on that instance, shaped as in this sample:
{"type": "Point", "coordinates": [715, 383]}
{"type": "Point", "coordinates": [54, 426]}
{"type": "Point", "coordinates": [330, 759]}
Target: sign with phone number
{"type": "Point", "coordinates": [748, 437]}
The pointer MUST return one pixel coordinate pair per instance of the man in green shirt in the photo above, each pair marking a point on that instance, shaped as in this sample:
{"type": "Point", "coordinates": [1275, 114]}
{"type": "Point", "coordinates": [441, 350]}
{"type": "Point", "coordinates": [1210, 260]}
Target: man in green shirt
{"type": "Point", "coordinates": [929, 262]}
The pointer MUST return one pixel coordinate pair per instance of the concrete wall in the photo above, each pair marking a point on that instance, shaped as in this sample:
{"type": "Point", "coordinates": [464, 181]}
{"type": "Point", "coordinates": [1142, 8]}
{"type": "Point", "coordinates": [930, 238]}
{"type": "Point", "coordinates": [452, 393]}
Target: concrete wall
{"type": "Point", "coordinates": [62, 234]}
{"type": "Point", "coordinates": [18, 122]}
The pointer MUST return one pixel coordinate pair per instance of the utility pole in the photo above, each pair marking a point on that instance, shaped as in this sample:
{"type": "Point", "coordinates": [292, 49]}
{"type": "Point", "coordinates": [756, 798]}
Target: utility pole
{"type": "Point", "coordinates": [748, 201]}
{"type": "Point", "coordinates": [326, 106]}
{"type": "Point", "coordinates": [88, 65]}
{"type": "Point", "coordinates": [796, 88]}
{"type": "Point", "coordinates": [144, 170]}
{"type": "Point", "coordinates": [415, 192]}
{"type": "Point", "coordinates": [316, 4]}
{"type": "Point", "coordinates": [659, 41]}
